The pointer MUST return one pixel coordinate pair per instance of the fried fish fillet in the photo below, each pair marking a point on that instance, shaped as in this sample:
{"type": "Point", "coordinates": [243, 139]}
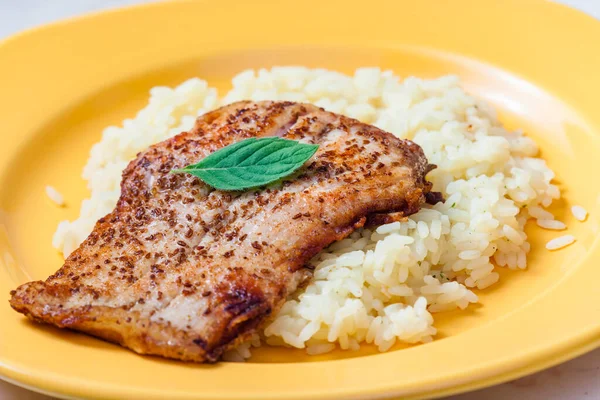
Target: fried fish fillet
{"type": "Point", "coordinates": [184, 271]}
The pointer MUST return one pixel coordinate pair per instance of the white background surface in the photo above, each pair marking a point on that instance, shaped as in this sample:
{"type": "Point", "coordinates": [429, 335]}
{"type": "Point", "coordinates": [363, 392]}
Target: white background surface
{"type": "Point", "coordinates": [578, 379]}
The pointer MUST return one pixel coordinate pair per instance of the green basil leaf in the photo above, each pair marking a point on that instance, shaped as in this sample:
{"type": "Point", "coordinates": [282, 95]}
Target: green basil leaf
{"type": "Point", "coordinates": [251, 163]}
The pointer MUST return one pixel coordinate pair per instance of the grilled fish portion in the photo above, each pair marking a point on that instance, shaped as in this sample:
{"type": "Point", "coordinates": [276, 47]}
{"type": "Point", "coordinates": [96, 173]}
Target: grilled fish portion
{"type": "Point", "coordinates": [184, 271]}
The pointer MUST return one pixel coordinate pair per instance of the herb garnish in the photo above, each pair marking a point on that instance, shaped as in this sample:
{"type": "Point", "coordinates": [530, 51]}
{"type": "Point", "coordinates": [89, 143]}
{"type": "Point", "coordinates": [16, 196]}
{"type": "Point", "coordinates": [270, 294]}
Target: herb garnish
{"type": "Point", "coordinates": [251, 163]}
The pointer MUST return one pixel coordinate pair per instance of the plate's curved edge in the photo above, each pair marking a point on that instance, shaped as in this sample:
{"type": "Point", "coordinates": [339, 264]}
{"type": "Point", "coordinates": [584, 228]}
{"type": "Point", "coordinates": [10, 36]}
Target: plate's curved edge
{"type": "Point", "coordinates": [571, 9]}
{"type": "Point", "coordinates": [584, 347]}
{"type": "Point", "coordinates": [575, 352]}
{"type": "Point", "coordinates": [88, 15]}
{"type": "Point", "coordinates": [36, 389]}
{"type": "Point", "coordinates": [159, 3]}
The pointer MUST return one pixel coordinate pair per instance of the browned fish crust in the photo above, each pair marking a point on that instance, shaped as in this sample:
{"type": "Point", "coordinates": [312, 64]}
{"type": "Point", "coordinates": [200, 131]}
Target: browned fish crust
{"type": "Point", "coordinates": [186, 272]}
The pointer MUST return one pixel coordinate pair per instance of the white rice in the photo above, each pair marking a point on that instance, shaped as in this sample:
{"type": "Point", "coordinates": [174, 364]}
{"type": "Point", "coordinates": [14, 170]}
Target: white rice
{"type": "Point", "coordinates": [55, 196]}
{"type": "Point", "coordinates": [579, 213]}
{"type": "Point", "coordinates": [551, 224]}
{"type": "Point", "coordinates": [377, 286]}
{"type": "Point", "coordinates": [560, 242]}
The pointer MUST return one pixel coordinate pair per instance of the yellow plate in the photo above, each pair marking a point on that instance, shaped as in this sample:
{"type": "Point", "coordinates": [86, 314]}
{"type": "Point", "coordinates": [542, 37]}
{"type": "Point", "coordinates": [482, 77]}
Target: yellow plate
{"type": "Point", "coordinates": [61, 84]}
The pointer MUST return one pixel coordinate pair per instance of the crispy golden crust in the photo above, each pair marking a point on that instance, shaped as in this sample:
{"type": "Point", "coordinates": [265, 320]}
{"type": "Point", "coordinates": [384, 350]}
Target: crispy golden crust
{"type": "Point", "coordinates": [184, 271]}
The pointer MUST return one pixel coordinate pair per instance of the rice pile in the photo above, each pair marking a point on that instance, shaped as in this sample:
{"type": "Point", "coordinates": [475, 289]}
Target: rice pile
{"type": "Point", "coordinates": [377, 286]}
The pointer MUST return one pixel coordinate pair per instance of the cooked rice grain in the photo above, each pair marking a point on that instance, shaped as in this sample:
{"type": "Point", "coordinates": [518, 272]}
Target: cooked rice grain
{"type": "Point", "coordinates": [551, 224]}
{"type": "Point", "coordinates": [579, 213]}
{"type": "Point", "coordinates": [55, 196]}
{"type": "Point", "coordinates": [560, 242]}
